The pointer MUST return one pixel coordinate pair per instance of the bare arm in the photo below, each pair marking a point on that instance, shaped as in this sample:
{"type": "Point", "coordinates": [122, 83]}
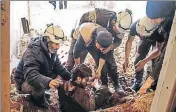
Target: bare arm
{"type": "Point", "coordinates": [154, 53]}
{"type": "Point", "coordinates": [77, 61]}
{"type": "Point", "coordinates": [128, 47]}
{"type": "Point", "coordinates": [100, 66]}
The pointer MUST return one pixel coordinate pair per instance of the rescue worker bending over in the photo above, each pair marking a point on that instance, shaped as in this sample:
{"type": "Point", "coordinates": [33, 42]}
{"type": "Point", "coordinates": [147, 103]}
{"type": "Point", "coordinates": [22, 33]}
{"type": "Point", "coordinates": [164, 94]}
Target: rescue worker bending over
{"type": "Point", "coordinates": [160, 12]}
{"type": "Point", "coordinates": [116, 23]}
{"type": "Point", "coordinates": [149, 36]}
{"type": "Point", "coordinates": [99, 43]}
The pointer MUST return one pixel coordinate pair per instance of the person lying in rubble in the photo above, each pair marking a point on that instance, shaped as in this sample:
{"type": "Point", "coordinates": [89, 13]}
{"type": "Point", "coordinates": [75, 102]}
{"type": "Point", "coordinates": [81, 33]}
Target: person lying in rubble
{"type": "Point", "coordinates": [39, 68]}
{"type": "Point", "coordinates": [145, 29]}
{"type": "Point", "coordinates": [161, 12]}
{"type": "Point", "coordinates": [99, 43]}
{"type": "Point", "coordinates": [116, 23]}
{"type": "Point", "coordinates": [74, 97]}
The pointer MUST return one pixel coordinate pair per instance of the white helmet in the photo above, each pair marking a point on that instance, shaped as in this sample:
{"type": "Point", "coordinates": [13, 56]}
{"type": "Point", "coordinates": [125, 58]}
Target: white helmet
{"type": "Point", "coordinates": [55, 33]}
{"type": "Point", "coordinates": [145, 26]}
{"type": "Point", "coordinates": [124, 20]}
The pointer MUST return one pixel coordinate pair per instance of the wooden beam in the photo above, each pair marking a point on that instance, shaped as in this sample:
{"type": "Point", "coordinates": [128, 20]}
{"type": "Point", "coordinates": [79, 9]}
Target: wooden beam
{"type": "Point", "coordinates": [5, 56]}
{"type": "Point", "coordinates": [166, 87]}
{"type": "Point", "coordinates": [29, 16]}
{"type": "Point", "coordinates": [0, 64]}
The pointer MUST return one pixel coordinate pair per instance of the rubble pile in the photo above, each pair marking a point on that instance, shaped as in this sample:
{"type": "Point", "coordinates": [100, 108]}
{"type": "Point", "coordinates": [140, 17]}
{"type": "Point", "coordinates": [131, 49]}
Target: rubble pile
{"type": "Point", "coordinates": [139, 104]}
{"type": "Point", "coordinates": [21, 102]}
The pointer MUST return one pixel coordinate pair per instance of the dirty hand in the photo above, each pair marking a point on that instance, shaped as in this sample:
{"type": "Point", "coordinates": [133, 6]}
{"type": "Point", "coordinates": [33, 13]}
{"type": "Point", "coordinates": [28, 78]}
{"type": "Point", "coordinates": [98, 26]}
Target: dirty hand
{"type": "Point", "coordinates": [55, 83]}
{"type": "Point", "coordinates": [140, 65]}
{"type": "Point", "coordinates": [125, 65]}
{"type": "Point", "coordinates": [104, 51]}
{"type": "Point", "coordinates": [98, 73]}
{"type": "Point", "coordinates": [146, 85]}
{"type": "Point", "coordinates": [58, 77]}
{"type": "Point", "coordinates": [143, 90]}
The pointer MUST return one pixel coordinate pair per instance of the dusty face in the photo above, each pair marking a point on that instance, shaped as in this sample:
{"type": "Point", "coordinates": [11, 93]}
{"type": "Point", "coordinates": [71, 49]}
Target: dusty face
{"type": "Point", "coordinates": [82, 81]}
{"type": "Point", "coordinates": [53, 47]}
{"type": "Point", "coordinates": [98, 46]}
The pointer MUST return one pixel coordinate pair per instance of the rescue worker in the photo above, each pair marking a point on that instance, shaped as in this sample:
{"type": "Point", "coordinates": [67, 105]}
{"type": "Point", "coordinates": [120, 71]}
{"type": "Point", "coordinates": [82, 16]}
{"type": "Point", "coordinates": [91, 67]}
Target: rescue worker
{"type": "Point", "coordinates": [116, 23]}
{"type": "Point", "coordinates": [100, 44]}
{"type": "Point", "coordinates": [161, 12]}
{"type": "Point", "coordinates": [149, 36]}
{"type": "Point", "coordinates": [39, 68]}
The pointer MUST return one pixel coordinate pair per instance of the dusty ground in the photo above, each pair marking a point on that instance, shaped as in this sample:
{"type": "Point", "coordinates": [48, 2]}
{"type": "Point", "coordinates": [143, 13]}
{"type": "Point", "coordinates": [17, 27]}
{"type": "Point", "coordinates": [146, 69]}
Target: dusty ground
{"type": "Point", "coordinates": [139, 104]}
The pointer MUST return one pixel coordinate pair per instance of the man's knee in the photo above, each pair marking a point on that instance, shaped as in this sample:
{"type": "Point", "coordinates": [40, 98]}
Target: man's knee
{"type": "Point", "coordinates": [26, 88]}
{"type": "Point", "coordinates": [36, 91]}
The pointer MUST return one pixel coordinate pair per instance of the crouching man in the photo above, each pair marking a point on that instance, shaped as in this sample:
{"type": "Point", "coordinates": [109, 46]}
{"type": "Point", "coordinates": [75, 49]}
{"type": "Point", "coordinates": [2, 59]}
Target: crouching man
{"type": "Point", "coordinates": [40, 66]}
{"type": "Point", "coordinates": [74, 95]}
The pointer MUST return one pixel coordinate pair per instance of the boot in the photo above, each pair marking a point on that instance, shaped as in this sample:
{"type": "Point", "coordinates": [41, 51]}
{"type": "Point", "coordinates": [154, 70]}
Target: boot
{"type": "Point", "coordinates": [41, 102]}
{"type": "Point", "coordinates": [118, 89]}
{"type": "Point", "coordinates": [137, 85]}
{"type": "Point", "coordinates": [47, 96]}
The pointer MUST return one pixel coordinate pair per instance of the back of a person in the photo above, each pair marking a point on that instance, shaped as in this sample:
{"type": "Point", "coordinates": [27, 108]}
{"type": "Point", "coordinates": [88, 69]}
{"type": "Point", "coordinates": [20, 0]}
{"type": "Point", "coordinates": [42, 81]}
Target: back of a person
{"type": "Point", "coordinates": [104, 17]}
{"type": "Point", "coordinates": [86, 30]}
{"type": "Point", "coordinates": [99, 16]}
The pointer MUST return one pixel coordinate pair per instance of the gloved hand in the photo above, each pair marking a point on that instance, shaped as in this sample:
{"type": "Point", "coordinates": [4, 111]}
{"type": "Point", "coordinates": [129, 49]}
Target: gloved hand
{"type": "Point", "coordinates": [146, 85]}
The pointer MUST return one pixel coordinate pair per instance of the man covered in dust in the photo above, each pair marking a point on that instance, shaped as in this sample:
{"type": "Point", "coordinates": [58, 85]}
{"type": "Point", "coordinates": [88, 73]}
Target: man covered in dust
{"type": "Point", "coordinates": [76, 96]}
{"type": "Point", "coordinates": [116, 23]}
{"type": "Point", "coordinates": [39, 68]}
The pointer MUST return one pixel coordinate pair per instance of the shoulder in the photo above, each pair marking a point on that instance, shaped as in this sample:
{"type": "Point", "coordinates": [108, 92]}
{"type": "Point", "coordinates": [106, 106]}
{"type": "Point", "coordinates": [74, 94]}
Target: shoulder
{"type": "Point", "coordinates": [133, 31]}
{"type": "Point", "coordinates": [34, 52]}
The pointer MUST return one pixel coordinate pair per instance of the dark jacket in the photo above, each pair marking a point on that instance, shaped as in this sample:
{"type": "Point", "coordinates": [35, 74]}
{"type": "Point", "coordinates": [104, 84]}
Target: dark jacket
{"type": "Point", "coordinates": [37, 67]}
{"type": "Point", "coordinates": [164, 31]}
{"type": "Point", "coordinates": [73, 102]}
{"type": "Point", "coordinates": [105, 18]}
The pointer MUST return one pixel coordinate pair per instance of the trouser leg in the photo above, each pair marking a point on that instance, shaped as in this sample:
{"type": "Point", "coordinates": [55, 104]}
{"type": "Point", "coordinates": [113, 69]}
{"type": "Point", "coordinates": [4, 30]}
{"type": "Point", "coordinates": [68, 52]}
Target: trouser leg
{"type": "Point", "coordinates": [65, 4]}
{"type": "Point", "coordinates": [37, 94]}
{"type": "Point", "coordinates": [143, 50]}
{"type": "Point", "coordinates": [60, 4]}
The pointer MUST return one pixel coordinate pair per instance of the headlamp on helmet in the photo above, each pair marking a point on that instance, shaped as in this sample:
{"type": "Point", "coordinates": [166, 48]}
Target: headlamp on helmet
{"type": "Point", "coordinates": [55, 33]}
